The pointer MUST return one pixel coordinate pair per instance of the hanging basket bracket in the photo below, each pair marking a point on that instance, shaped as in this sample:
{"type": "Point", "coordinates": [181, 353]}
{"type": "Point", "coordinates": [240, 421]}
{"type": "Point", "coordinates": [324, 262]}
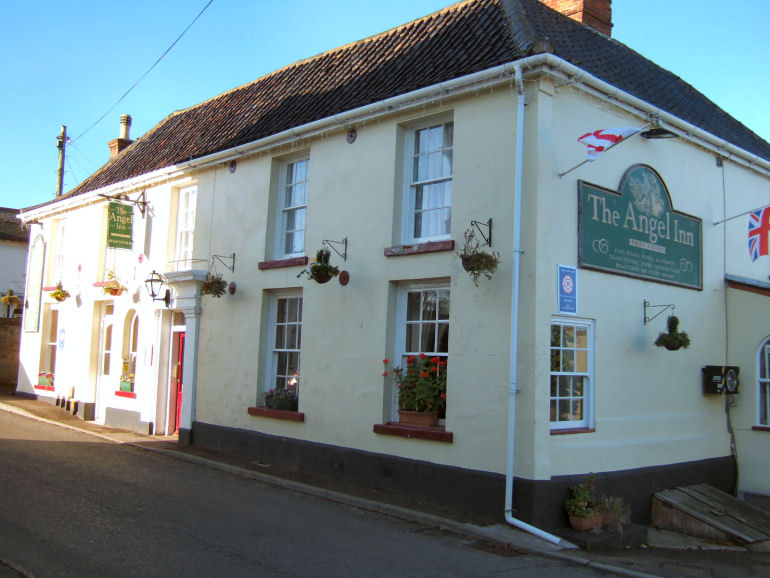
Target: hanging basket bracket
{"type": "Point", "coordinates": [488, 226]}
{"type": "Point", "coordinates": [343, 244]}
{"type": "Point", "coordinates": [663, 308]}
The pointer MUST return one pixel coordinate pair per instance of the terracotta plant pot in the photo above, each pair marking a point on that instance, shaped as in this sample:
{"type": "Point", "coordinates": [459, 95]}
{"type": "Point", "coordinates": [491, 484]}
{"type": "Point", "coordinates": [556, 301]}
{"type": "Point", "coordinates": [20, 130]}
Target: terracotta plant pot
{"type": "Point", "coordinates": [423, 418]}
{"type": "Point", "coordinates": [586, 523]}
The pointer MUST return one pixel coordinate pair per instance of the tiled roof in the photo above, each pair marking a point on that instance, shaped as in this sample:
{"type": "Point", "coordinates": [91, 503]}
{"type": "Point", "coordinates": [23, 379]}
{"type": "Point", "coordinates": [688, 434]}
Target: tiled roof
{"type": "Point", "coordinates": [10, 226]}
{"type": "Point", "coordinates": [464, 38]}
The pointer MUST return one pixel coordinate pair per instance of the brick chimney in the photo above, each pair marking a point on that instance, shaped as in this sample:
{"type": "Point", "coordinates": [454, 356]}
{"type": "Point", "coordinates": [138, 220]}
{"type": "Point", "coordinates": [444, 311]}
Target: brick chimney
{"type": "Point", "coordinates": [121, 143]}
{"type": "Point", "coordinates": [594, 13]}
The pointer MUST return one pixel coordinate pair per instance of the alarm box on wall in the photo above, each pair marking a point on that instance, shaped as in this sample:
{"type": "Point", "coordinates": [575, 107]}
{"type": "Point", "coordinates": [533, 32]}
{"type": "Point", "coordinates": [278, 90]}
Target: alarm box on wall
{"type": "Point", "coordinates": [719, 379]}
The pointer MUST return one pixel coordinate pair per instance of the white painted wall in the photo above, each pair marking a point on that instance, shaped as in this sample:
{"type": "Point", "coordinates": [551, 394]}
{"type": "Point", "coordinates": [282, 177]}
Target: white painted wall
{"type": "Point", "coordinates": [649, 406]}
{"type": "Point", "coordinates": [13, 263]}
{"type": "Point", "coordinates": [649, 409]}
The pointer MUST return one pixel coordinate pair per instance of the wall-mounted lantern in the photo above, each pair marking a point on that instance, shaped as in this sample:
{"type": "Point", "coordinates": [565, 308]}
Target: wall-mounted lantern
{"type": "Point", "coordinates": [154, 284]}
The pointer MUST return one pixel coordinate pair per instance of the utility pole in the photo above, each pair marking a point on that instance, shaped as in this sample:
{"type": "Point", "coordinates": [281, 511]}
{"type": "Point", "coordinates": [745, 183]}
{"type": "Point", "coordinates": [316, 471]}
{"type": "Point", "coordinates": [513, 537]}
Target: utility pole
{"type": "Point", "coordinates": [61, 144]}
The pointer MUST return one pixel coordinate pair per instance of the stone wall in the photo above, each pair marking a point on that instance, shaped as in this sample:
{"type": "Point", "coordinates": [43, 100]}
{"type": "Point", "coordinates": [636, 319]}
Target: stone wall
{"type": "Point", "coordinates": [10, 332]}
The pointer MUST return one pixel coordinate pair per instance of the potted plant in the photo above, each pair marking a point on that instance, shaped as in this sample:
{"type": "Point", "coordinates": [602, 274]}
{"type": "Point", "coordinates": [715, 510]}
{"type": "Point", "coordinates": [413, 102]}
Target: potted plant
{"type": "Point", "coordinates": [585, 511]}
{"type": "Point", "coordinates": [616, 513]}
{"type": "Point", "coordinates": [59, 294]}
{"type": "Point", "coordinates": [11, 300]}
{"type": "Point", "coordinates": [127, 382]}
{"type": "Point", "coordinates": [475, 261]}
{"type": "Point", "coordinates": [214, 285]}
{"type": "Point", "coordinates": [45, 379]}
{"type": "Point", "coordinates": [421, 389]}
{"type": "Point", "coordinates": [673, 339]}
{"type": "Point", "coordinates": [285, 399]}
{"type": "Point", "coordinates": [113, 285]}
{"type": "Point", "coordinates": [321, 271]}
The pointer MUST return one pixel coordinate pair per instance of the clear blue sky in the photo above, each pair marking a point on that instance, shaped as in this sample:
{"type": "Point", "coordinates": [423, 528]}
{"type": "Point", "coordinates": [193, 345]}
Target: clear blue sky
{"type": "Point", "coordinates": [67, 62]}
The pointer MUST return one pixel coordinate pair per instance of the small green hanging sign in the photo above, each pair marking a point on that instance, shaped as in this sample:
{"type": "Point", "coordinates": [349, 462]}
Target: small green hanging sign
{"type": "Point", "coordinates": [121, 226]}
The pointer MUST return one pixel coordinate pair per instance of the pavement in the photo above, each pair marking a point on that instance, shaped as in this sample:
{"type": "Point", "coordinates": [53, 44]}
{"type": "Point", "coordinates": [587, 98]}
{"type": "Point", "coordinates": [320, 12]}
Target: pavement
{"type": "Point", "coordinates": [663, 554]}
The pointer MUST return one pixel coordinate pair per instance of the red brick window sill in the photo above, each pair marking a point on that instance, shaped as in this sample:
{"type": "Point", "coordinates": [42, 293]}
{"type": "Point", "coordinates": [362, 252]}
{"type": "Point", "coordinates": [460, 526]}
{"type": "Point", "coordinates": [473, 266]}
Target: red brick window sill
{"type": "Point", "coordinates": [281, 263]}
{"type": "Point", "coordinates": [50, 288]}
{"type": "Point", "coordinates": [44, 387]}
{"type": "Point", "coordinates": [435, 433]}
{"type": "Point", "coordinates": [432, 247]}
{"type": "Point", "coordinates": [761, 428]}
{"type": "Point", "coordinates": [576, 430]}
{"type": "Point", "coordinates": [129, 394]}
{"type": "Point", "coordinates": [263, 411]}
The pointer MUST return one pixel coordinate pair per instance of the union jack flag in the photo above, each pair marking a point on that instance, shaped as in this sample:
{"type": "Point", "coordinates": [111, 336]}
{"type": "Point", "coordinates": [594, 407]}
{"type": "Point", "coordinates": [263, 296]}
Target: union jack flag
{"type": "Point", "coordinates": [759, 233]}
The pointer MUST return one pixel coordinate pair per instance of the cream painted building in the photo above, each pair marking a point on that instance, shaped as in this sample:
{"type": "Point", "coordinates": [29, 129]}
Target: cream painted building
{"type": "Point", "coordinates": [551, 368]}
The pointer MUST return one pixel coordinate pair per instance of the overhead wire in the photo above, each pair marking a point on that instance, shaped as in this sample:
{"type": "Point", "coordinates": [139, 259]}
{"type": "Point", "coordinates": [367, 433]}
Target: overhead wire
{"type": "Point", "coordinates": [125, 94]}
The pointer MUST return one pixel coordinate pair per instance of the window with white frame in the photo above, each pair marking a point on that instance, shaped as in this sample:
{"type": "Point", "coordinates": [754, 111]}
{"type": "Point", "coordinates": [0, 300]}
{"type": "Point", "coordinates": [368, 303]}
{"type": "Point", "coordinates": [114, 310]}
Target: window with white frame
{"type": "Point", "coordinates": [292, 209]}
{"type": "Point", "coordinates": [423, 325]}
{"type": "Point", "coordinates": [108, 310]}
{"type": "Point", "coordinates": [428, 196]}
{"type": "Point", "coordinates": [285, 342]}
{"type": "Point", "coordinates": [130, 349]}
{"type": "Point", "coordinates": [185, 227]}
{"type": "Point", "coordinates": [763, 385]}
{"type": "Point", "coordinates": [571, 374]}
{"type": "Point", "coordinates": [50, 344]}
{"type": "Point", "coordinates": [61, 252]}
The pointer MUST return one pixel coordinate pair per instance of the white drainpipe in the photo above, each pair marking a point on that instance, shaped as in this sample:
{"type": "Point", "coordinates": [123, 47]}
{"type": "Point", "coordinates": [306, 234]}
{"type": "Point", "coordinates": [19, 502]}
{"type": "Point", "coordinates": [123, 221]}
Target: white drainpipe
{"type": "Point", "coordinates": [512, 390]}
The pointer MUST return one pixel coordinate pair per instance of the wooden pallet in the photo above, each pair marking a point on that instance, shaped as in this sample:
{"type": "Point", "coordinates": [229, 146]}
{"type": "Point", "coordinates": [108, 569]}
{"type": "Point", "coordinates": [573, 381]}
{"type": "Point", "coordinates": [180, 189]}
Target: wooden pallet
{"type": "Point", "coordinates": [706, 512]}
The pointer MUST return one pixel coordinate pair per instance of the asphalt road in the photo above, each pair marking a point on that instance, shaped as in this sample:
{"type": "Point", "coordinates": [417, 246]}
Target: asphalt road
{"type": "Point", "coordinates": [74, 505]}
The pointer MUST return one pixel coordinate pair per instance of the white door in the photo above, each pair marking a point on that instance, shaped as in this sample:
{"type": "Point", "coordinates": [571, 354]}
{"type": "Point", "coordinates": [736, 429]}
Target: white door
{"type": "Point", "coordinates": [106, 378]}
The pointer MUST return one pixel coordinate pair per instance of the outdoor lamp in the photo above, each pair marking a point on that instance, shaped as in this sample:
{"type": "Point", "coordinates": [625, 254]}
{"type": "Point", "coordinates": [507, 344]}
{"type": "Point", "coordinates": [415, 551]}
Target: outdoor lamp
{"type": "Point", "coordinates": [656, 130]}
{"type": "Point", "coordinates": [154, 283]}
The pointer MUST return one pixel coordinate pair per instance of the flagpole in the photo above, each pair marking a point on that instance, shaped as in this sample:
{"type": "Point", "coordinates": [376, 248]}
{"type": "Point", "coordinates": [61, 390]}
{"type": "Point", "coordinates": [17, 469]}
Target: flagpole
{"type": "Point", "coordinates": [736, 216]}
{"type": "Point", "coordinates": [575, 167]}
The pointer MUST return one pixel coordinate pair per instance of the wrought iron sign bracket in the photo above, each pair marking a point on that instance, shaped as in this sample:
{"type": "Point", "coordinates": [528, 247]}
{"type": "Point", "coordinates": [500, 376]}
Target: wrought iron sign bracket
{"type": "Point", "coordinates": [647, 306]}
{"type": "Point", "coordinates": [140, 201]}
{"type": "Point", "coordinates": [220, 258]}
{"type": "Point", "coordinates": [488, 225]}
{"type": "Point", "coordinates": [343, 244]}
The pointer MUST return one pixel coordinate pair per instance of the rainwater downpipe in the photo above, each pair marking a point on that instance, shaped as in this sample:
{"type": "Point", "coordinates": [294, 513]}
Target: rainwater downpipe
{"type": "Point", "coordinates": [512, 389]}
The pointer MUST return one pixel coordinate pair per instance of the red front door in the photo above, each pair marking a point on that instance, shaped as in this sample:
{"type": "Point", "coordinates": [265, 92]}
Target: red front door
{"type": "Point", "coordinates": [179, 365]}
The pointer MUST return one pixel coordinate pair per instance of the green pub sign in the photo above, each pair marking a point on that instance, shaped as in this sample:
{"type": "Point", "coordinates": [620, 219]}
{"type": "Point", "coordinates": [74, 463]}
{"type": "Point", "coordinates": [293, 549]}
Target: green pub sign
{"type": "Point", "coordinates": [636, 232]}
{"type": "Point", "coordinates": [121, 225]}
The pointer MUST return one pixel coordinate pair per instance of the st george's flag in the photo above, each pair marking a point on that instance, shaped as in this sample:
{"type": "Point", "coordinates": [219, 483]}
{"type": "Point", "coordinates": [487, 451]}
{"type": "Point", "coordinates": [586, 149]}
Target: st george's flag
{"type": "Point", "coordinates": [599, 141]}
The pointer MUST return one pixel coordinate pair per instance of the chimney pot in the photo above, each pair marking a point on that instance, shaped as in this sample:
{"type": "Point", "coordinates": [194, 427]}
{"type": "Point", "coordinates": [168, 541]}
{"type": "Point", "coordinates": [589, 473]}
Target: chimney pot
{"type": "Point", "coordinates": [125, 126]}
{"type": "Point", "coordinates": [121, 143]}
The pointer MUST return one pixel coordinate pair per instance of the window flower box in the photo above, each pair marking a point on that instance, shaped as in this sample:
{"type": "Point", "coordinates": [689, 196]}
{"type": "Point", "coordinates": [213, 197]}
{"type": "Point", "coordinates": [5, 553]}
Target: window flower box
{"type": "Point", "coordinates": [127, 382]}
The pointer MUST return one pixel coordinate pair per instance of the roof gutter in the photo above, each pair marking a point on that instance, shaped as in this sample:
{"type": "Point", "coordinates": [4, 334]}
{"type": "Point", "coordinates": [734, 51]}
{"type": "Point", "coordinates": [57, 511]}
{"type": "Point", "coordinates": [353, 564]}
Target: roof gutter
{"type": "Point", "coordinates": [456, 87]}
{"type": "Point", "coordinates": [636, 105]}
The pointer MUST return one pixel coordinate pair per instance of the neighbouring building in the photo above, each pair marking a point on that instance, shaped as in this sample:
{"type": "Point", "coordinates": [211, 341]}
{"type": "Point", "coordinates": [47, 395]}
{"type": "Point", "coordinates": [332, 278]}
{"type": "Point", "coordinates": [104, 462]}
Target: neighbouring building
{"type": "Point", "coordinates": [13, 256]}
{"type": "Point", "coordinates": [386, 151]}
